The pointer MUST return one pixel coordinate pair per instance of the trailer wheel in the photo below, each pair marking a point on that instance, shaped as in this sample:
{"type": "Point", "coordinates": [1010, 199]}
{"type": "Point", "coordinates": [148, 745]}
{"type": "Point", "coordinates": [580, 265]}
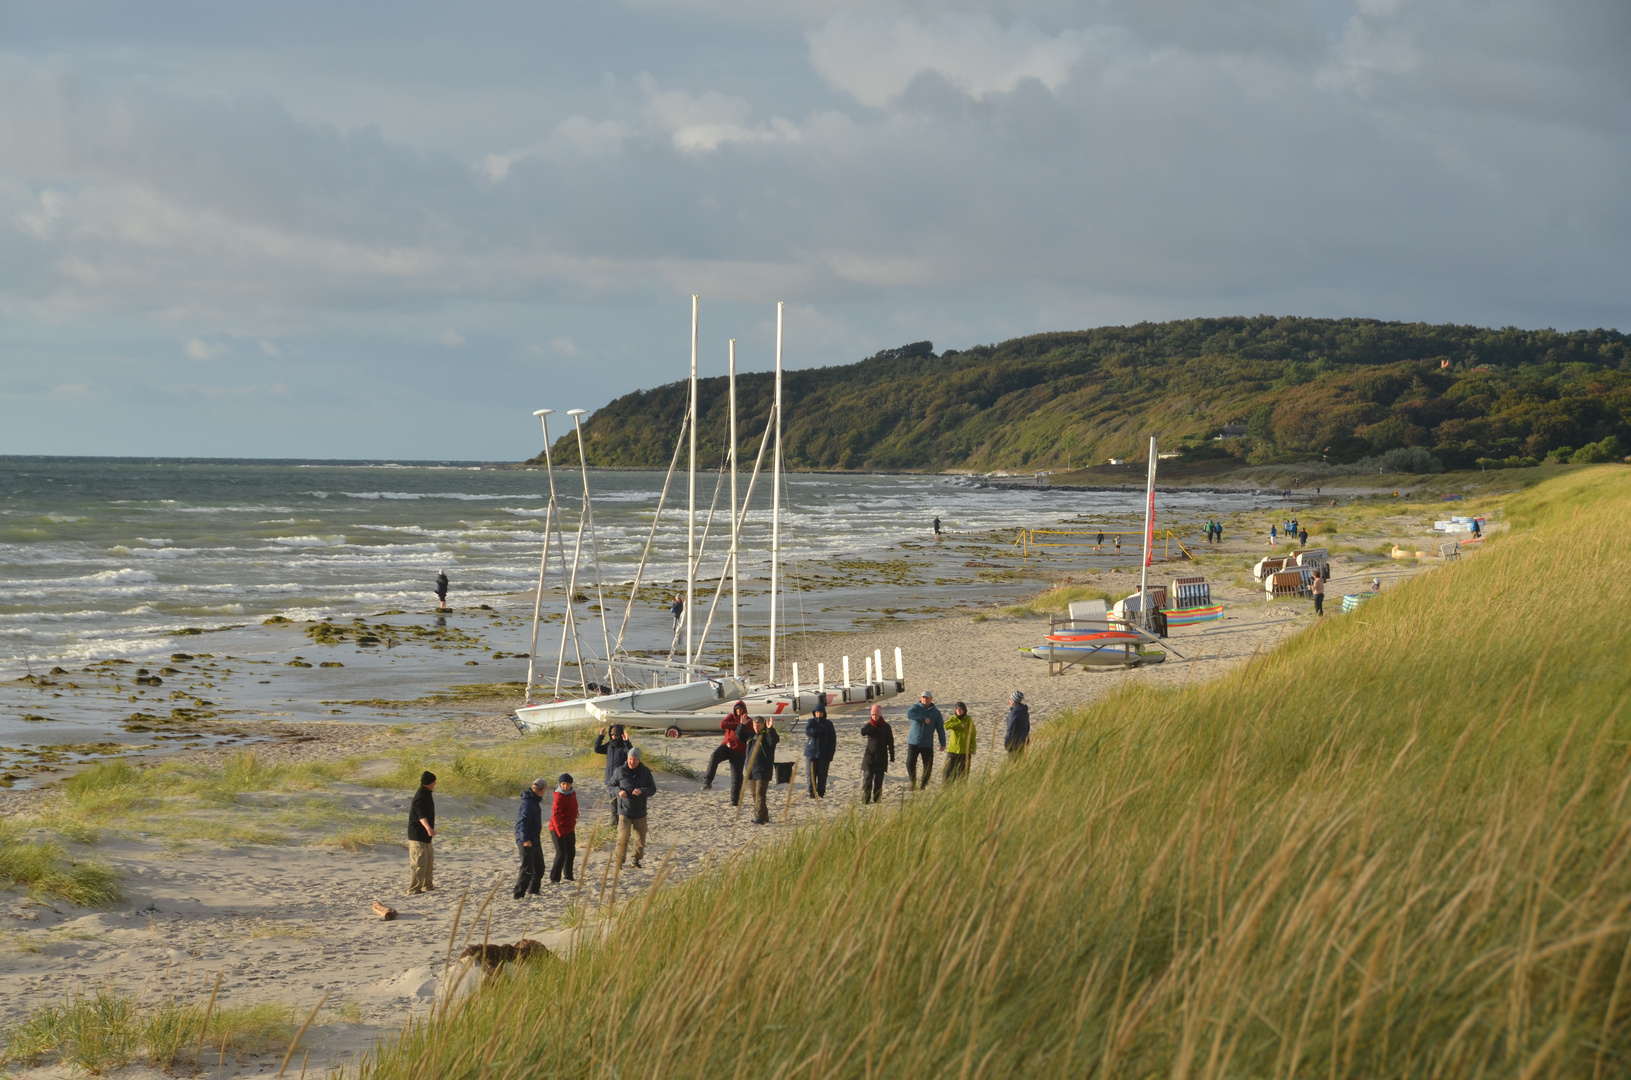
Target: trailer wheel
{"type": "Point", "coordinates": [673, 733]}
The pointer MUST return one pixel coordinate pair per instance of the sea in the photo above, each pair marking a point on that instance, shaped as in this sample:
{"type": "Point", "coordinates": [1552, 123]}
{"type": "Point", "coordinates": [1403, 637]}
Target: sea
{"type": "Point", "coordinates": [225, 574]}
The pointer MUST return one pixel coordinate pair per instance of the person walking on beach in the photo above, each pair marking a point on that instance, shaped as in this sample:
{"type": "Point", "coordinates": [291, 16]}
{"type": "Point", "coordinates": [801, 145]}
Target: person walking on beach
{"type": "Point", "coordinates": [441, 589]}
{"type": "Point", "coordinates": [1302, 537]}
{"type": "Point", "coordinates": [878, 755]}
{"type": "Point", "coordinates": [677, 609]}
{"type": "Point", "coordinates": [1019, 724]}
{"type": "Point", "coordinates": [1477, 529]}
{"type": "Point", "coordinates": [1274, 536]}
{"type": "Point", "coordinates": [1099, 544]}
{"type": "Point", "coordinates": [937, 528]}
{"type": "Point", "coordinates": [761, 765]}
{"type": "Point", "coordinates": [634, 786]}
{"type": "Point", "coordinates": [529, 828]}
{"type": "Point", "coordinates": [563, 829]}
{"type": "Point", "coordinates": [927, 722]}
{"type": "Point", "coordinates": [421, 831]}
{"type": "Point", "coordinates": [959, 743]}
{"type": "Point", "coordinates": [820, 744]}
{"type": "Point", "coordinates": [1319, 595]}
{"type": "Point", "coordinates": [616, 749]}
{"type": "Point", "coordinates": [730, 751]}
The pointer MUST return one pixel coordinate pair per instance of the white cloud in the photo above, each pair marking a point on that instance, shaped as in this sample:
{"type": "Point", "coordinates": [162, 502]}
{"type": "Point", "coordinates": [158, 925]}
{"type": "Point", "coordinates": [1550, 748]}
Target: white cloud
{"type": "Point", "coordinates": [451, 338]}
{"type": "Point", "coordinates": [565, 346]}
{"type": "Point", "coordinates": [873, 56]}
{"type": "Point", "coordinates": [199, 349]}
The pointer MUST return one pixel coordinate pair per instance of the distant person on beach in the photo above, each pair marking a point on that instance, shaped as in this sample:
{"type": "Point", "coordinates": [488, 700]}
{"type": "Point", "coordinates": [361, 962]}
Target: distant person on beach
{"type": "Point", "coordinates": [878, 755]}
{"type": "Point", "coordinates": [1099, 545]}
{"type": "Point", "coordinates": [937, 528]}
{"type": "Point", "coordinates": [616, 749]}
{"type": "Point", "coordinates": [1477, 530]}
{"type": "Point", "coordinates": [529, 830]}
{"type": "Point", "coordinates": [634, 784]}
{"type": "Point", "coordinates": [1274, 536]}
{"type": "Point", "coordinates": [959, 743]}
{"type": "Point", "coordinates": [820, 744]}
{"type": "Point", "coordinates": [730, 750]}
{"type": "Point", "coordinates": [1375, 584]}
{"type": "Point", "coordinates": [441, 589]}
{"type": "Point", "coordinates": [927, 722]}
{"type": "Point", "coordinates": [1118, 543]}
{"type": "Point", "coordinates": [1019, 723]}
{"type": "Point", "coordinates": [421, 831]}
{"type": "Point", "coordinates": [677, 609]}
{"type": "Point", "coordinates": [761, 765]}
{"type": "Point", "coordinates": [1319, 595]}
{"type": "Point", "coordinates": [1302, 537]}
{"type": "Point", "coordinates": [563, 829]}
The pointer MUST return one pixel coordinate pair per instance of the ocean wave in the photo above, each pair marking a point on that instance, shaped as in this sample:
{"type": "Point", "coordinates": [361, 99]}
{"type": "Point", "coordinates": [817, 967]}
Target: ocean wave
{"type": "Point", "coordinates": [124, 575]}
{"type": "Point", "coordinates": [307, 541]}
{"type": "Point", "coordinates": [462, 496]}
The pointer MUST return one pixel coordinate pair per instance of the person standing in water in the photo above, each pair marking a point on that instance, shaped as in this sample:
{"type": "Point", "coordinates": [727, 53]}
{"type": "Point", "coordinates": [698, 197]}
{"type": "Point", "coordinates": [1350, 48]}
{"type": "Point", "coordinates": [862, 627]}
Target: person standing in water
{"type": "Point", "coordinates": [441, 589]}
{"type": "Point", "coordinates": [937, 528]}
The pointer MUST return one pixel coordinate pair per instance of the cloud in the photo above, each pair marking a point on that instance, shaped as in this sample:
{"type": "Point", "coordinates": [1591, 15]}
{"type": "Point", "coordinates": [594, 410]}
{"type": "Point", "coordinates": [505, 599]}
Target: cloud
{"type": "Point", "coordinates": [199, 349]}
{"type": "Point", "coordinates": [874, 57]}
{"type": "Point", "coordinates": [565, 346]}
{"type": "Point", "coordinates": [451, 338]}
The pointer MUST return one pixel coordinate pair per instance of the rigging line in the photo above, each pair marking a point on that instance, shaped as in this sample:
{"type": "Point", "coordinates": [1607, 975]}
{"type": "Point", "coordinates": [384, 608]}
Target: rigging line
{"type": "Point", "coordinates": [798, 575]}
{"type": "Point", "coordinates": [600, 589]}
{"type": "Point", "coordinates": [571, 624]}
{"type": "Point", "coordinates": [634, 590]}
{"type": "Point", "coordinates": [742, 516]}
{"type": "Point", "coordinates": [696, 564]}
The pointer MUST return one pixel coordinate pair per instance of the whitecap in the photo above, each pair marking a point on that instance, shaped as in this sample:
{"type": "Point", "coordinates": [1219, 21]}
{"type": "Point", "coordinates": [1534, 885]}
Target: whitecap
{"type": "Point", "coordinates": [308, 541]}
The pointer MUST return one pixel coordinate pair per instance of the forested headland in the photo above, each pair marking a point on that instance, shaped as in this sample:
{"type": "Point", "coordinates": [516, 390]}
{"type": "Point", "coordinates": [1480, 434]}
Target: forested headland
{"type": "Point", "coordinates": [1419, 397]}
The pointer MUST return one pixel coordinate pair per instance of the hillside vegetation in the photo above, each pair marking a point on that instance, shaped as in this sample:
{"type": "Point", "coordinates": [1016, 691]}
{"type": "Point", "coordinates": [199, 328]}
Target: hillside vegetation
{"type": "Point", "coordinates": [1308, 389]}
{"type": "Point", "coordinates": [1398, 846]}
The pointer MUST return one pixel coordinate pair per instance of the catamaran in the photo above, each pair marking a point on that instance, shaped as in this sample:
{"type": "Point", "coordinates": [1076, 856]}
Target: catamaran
{"type": "Point", "coordinates": [635, 690]}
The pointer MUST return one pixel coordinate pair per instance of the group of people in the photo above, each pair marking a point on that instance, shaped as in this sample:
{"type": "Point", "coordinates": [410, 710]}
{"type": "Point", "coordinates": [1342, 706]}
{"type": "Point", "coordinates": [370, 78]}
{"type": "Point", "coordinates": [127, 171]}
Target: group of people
{"type": "Point", "coordinates": [1292, 528]}
{"type": "Point", "coordinates": [1214, 531]}
{"type": "Point", "coordinates": [748, 748]}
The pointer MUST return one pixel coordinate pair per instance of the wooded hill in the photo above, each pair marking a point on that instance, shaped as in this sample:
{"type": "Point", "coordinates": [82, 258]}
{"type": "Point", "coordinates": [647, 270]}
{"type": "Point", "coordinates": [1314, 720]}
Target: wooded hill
{"type": "Point", "coordinates": [1338, 390]}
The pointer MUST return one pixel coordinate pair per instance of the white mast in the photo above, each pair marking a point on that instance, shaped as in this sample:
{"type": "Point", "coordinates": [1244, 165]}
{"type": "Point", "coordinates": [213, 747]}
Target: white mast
{"type": "Point", "coordinates": [543, 561]}
{"type": "Point", "coordinates": [594, 542]}
{"type": "Point", "coordinates": [736, 638]}
{"type": "Point", "coordinates": [1149, 543]}
{"type": "Point", "coordinates": [570, 626]}
{"type": "Point", "coordinates": [776, 498]}
{"type": "Point", "coordinates": [691, 512]}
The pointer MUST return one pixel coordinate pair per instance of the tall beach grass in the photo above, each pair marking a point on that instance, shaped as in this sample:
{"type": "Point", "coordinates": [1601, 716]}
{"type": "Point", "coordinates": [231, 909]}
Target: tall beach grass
{"type": "Point", "coordinates": [1398, 846]}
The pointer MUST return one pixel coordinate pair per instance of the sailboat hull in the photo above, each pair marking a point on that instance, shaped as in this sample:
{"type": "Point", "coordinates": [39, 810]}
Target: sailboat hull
{"type": "Point", "coordinates": [624, 708]}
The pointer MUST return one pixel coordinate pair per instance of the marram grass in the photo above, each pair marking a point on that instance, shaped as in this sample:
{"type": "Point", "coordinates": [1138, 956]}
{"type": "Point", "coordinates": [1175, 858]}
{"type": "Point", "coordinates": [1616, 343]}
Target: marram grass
{"type": "Point", "coordinates": [1399, 846]}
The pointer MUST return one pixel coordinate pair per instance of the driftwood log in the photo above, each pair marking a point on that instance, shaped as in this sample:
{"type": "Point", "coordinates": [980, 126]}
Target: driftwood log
{"type": "Point", "coordinates": [386, 914]}
{"type": "Point", "coordinates": [491, 956]}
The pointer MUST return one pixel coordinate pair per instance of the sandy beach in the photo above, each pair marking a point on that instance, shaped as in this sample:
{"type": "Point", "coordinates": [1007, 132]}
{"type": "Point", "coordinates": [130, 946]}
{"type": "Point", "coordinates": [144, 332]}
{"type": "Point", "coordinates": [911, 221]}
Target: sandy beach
{"type": "Point", "coordinates": [290, 921]}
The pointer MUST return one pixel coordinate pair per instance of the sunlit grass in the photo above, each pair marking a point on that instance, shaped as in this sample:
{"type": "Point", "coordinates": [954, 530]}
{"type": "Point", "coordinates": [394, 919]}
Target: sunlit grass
{"type": "Point", "coordinates": [43, 868]}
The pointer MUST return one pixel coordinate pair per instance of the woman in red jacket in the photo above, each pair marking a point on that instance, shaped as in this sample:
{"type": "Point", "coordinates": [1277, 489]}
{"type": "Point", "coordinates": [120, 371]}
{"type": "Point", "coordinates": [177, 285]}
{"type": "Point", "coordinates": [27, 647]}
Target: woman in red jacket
{"type": "Point", "coordinates": [563, 825]}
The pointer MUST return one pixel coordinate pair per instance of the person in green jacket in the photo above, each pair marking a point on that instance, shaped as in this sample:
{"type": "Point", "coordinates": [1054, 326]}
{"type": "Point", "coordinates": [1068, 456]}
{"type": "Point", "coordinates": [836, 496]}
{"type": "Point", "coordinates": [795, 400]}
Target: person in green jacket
{"type": "Point", "coordinates": [959, 743]}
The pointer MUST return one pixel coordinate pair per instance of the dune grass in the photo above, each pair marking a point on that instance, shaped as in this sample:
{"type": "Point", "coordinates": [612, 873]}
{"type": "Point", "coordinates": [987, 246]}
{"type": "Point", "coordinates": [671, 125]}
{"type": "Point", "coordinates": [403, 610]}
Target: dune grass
{"type": "Point", "coordinates": [108, 1029]}
{"type": "Point", "coordinates": [44, 869]}
{"type": "Point", "coordinates": [1398, 846]}
{"type": "Point", "coordinates": [1056, 601]}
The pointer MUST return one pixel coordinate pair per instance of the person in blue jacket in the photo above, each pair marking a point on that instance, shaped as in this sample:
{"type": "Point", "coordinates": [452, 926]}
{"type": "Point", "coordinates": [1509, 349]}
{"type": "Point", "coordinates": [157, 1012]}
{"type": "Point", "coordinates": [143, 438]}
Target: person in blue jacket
{"type": "Point", "coordinates": [820, 744]}
{"type": "Point", "coordinates": [1019, 723]}
{"type": "Point", "coordinates": [529, 827]}
{"type": "Point", "coordinates": [616, 748]}
{"type": "Point", "coordinates": [926, 723]}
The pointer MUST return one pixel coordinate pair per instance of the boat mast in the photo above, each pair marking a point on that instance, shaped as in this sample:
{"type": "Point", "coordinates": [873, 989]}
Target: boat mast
{"type": "Point", "coordinates": [691, 510]}
{"type": "Point", "coordinates": [1149, 543]}
{"type": "Point", "coordinates": [570, 626]}
{"type": "Point", "coordinates": [736, 637]}
{"type": "Point", "coordinates": [543, 560]}
{"type": "Point", "coordinates": [776, 498]}
{"type": "Point", "coordinates": [594, 546]}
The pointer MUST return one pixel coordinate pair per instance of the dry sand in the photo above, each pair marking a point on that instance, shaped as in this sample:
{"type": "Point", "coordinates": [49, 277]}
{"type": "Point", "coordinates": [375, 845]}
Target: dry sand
{"type": "Point", "coordinates": [290, 923]}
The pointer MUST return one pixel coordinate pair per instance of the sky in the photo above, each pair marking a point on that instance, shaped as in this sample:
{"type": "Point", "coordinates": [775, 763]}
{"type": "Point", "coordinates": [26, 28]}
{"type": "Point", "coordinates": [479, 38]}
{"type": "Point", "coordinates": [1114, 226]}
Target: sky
{"type": "Point", "coordinates": [394, 229]}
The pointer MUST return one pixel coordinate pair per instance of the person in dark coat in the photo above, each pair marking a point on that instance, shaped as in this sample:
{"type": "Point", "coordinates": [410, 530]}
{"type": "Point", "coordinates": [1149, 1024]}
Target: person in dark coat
{"type": "Point", "coordinates": [927, 721]}
{"type": "Point", "coordinates": [529, 829]}
{"type": "Point", "coordinates": [633, 784]}
{"type": "Point", "coordinates": [730, 750]}
{"type": "Point", "coordinates": [441, 589]}
{"type": "Point", "coordinates": [421, 831]}
{"type": "Point", "coordinates": [563, 828]}
{"type": "Point", "coordinates": [820, 744]}
{"type": "Point", "coordinates": [1019, 723]}
{"type": "Point", "coordinates": [616, 749]}
{"type": "Point", "coordinates": [761, 765]}
{"type": "Point", "coordinates": [876, 758]}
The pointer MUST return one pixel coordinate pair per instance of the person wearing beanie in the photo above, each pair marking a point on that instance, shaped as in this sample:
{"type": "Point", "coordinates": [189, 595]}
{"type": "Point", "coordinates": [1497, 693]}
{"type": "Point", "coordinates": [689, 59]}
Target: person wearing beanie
{"type": "Point", "coordinates": [760, 755]}
{"type": "Point", "coordinates": [1019, 723]}
{"type": "Point", "coordinates": [633, 785]}
{"type": "Point", "coordinates": [820, 744]}
{"type": "Point", "coordinates": [613, 742]}
{"type": "Point", "coordinates": [529, 828]}
{"type": "Point", "coordinates": [563, 829]}
{"type": "Point", "coordinates": [959, 743]}
{"type": "Point", "coordinates": [875, 759]}
{"type": "Point", "coordinates": [421, 831]}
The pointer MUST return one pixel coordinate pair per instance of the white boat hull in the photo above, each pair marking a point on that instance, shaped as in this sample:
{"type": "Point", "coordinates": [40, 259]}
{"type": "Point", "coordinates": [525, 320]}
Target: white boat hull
{"type": "Point", "coordinates": [633, 707]}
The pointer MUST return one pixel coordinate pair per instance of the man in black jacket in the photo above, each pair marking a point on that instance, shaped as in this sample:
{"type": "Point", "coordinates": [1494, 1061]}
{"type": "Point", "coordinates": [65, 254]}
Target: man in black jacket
{"type": "Point", "coordinates": [616, 750]}
{"type": "Point", "coordinates": [820, 744]}
{"type": "Point", "coordinates": [421, 831]}
{"type": "Point", "coordinates": [761, 765]}
{"type": "Point", "coordinates": [529, 829]}
{"type": "Point", "coordinates": [875, 759]}
{"type": "Point", "coordinates": [633, 785]}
